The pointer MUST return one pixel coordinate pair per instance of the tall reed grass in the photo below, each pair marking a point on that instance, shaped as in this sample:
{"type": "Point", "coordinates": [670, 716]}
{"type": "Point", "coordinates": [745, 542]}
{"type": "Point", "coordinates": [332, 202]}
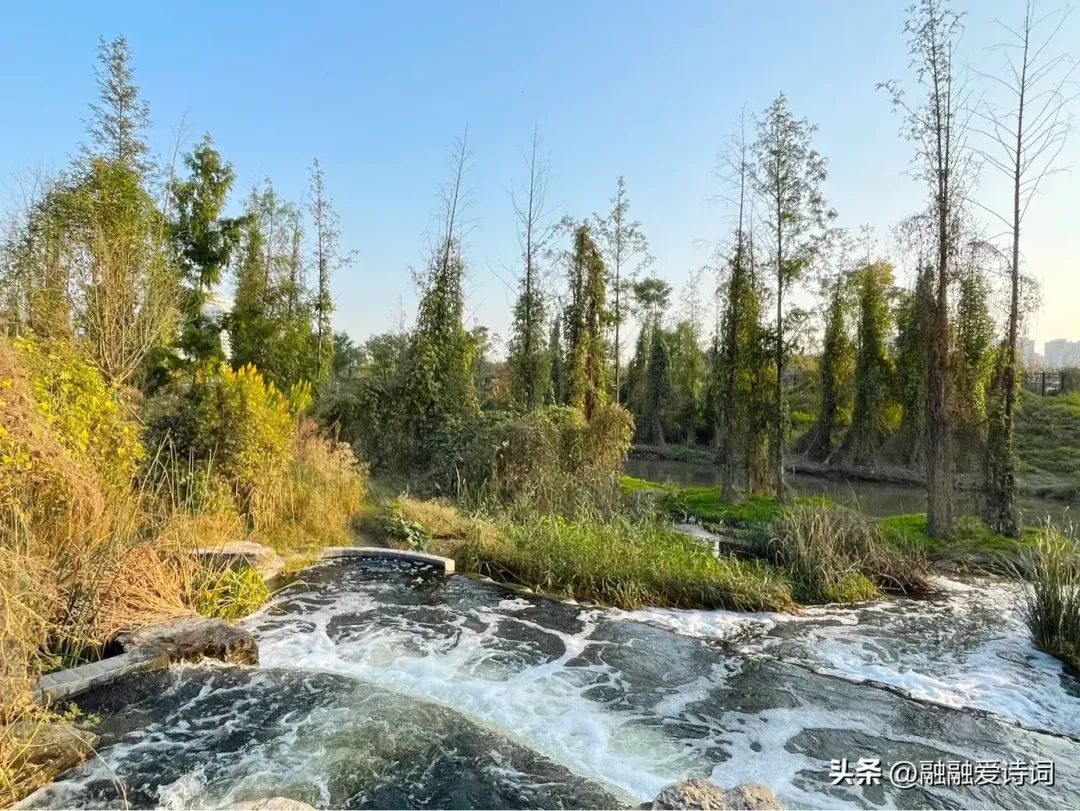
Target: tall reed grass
{"type": "Point", "coordinates": [1051, 601]}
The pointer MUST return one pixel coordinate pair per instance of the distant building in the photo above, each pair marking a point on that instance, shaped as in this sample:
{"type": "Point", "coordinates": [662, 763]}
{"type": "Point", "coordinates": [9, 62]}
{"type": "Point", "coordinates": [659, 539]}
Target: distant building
{"type": "Point", "coordinates": [1062, 354]}
{"type": "Point", "coordinates": [1029, 358]}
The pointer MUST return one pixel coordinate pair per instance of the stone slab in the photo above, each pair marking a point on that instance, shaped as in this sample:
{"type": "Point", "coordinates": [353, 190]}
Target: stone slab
{"type": "Point", "coordinates": [338, 552]}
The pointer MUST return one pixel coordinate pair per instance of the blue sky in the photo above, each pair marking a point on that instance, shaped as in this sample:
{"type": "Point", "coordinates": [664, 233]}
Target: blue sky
{"type": "Point", "coordinates": [379, 91]}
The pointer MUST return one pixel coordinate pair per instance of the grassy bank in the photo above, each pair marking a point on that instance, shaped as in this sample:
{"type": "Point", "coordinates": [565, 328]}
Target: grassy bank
{"type": "Point", "coordinates": [1048, 445]}
{"type": "Point", "coordinates": [610, 561]}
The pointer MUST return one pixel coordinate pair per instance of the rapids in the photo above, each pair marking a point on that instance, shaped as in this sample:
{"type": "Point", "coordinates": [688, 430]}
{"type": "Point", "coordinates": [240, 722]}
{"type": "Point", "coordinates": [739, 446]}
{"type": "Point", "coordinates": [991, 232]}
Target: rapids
{"type": "Point", "coordinates": [392, 686]}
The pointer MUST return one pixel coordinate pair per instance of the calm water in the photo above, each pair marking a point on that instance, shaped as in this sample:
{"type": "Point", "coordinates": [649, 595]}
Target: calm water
{"type": "Point", "coordinates": [873, 498]}
{"type": "Point", "coordinates": [396, 687]}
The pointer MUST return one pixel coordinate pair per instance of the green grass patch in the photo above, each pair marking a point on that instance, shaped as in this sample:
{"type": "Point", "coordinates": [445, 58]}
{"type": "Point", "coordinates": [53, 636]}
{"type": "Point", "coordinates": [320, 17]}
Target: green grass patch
{"type": "Point", "coordinates": [835, 554]}
{"type": "Point", "coordinates": [1048, 444]}
{"type": "Point", "coordinates": [624, 564]}
{"type": "Point", "coordinates": [706, 505]}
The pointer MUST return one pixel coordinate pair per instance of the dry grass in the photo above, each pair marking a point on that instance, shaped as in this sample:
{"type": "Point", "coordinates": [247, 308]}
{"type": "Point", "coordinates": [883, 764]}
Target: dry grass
{"type": "Point", "coordinates": [87, 551]}
{"type": "Point", "coordinates": [322, 493]}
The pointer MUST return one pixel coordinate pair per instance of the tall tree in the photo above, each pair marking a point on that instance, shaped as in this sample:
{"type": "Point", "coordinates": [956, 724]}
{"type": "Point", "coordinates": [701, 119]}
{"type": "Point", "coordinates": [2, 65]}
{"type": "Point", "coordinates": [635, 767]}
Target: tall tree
{"type": "Point", "coordinates": [910, 381]}
{"type": "Point", "coordinates": [328, 260]}
{"type": "Point", "coordinates": [527, 355]}
{"type": "Point", "coordinates": [557, 362]}
{"type": "Point", "coordinates": [788, 174]}
{"type": "Point", "coordinates": [586, 364]}
{"type": "Point", "coordinates": [657, 386]}
{"type": "Point", "coordinates": [439, 379]}
{"type": "Point", "coordinates": [204, 242]}
{"type": "Point", "coordinates": [624, 248]}
{"type": "Point", "coordinates": [837, 352]}
{"type": "Point", "coordinates": [937, 123]}
{"type": "Point", "coordinates": [119, 120]}
{"type": "Point", "coordinates": [1024, 139]}
{"type": "Point", "coordinates": [873, 370]}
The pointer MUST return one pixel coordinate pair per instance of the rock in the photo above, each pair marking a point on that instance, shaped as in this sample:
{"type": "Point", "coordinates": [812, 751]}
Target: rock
{"type": "Point", "coordinates": [189, 639]}
{"type": "Point", "coordinates": [274, 804]}
{"type": "Point", "coordinates": [704, 795]}
{"type": "Point", "coordinates": [262, 559]}
{"type": "Point", "coordinates": [53, 748]}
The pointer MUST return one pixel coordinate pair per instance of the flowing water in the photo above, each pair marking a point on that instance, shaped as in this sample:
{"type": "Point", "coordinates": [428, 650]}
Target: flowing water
{"type": "Point", "coordinates": [394, 686]}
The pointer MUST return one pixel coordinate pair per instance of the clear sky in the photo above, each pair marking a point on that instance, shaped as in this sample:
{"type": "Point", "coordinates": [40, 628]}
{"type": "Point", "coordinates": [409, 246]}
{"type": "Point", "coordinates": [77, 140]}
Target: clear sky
{"type": "Point", "coordinates": [379, 91]}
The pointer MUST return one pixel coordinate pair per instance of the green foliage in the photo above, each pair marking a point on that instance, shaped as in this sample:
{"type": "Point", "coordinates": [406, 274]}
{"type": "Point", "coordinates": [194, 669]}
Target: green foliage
{"type": "Point", "coordinates": [586, 315]}
{"type": "Point", "coordinates": [910, 352]}
{"type": "Point", "coordinates": [973, 356]}
{"type": "Point", "coordinates": [624, 564]}
{"type": "Point", "coordinates": [204, 242]}
{"type": "Point", "coordinates": [1051, 604]}
{"type": "Point", "coordinates": [551, 459]}
{"type": "Point", "coordinates": [527, 354]}
{"type": "Point", "coordinates": [1048, 443]}
{"type": "Point", "coordinates": [240, 425]}
{"type": "Point", "coordinates": [706, 505]}
{"type": "Point", "coordinates": [873, 370]}
{"type": "Point", "coordinates": [657, 386]}
{"type": "Point", "coordinates": [835, 369]}
{"type": "Point", "coordinates": [558, 364]}
{"type": "Point", "coordinates": [411, 533]}
{"type": "Point", "coordinates": [687, 379]}
{"type": "Point", "coordinates": [439, 383]}
{"type": "Point", "coordinates": [228, 593]}
{"type": "Point", "coordinates": [271, 323]}
{"type": "Point", "coordinates": [84, 412]}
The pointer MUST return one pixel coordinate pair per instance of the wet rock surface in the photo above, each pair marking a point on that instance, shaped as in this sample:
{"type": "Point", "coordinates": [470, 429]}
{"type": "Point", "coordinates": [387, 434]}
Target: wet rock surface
{"type": "Point", "coordinates": [219, 737]}
{"type": "Point", "coordinates": [190, 639]}
{"type": "Point", "coordinates": [396, 687]}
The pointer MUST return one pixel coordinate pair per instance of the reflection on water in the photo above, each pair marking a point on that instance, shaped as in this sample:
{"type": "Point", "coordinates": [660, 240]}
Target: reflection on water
{"type": "Point", "coordinates": [873, 498]}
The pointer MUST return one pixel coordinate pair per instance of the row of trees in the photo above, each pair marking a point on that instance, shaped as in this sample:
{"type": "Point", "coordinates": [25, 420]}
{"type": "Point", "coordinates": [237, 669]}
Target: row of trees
{"type": "Point", "coordinates": [128, 256]}
{"type": "Point", "coordinates": [99, 253]}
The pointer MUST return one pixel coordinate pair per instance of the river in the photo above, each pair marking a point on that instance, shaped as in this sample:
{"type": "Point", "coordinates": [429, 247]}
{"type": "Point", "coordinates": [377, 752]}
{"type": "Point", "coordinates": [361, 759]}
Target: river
{"type": "Point", "coordinates": [874, 498]}
{"type": "Point", "coordinates": [394, 686]}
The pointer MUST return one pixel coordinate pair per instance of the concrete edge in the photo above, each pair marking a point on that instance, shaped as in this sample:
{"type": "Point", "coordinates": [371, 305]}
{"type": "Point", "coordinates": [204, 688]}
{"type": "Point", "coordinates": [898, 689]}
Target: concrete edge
{"type": "Point", "coordinates": [64, 684]}
{"type": "Point", "coordinates": [338, 552]}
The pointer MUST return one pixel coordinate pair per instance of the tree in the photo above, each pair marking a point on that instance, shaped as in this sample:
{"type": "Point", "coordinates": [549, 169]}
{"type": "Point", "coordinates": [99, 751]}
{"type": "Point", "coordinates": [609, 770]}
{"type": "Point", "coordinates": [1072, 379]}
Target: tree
{"type": "Point", "coordinates": [271, 321]}
{"type": "Point", "coordinates": [118, 122]}
{"type": "Point", "coordinates": [204, 242]}
{"type": "Point", "coordinates": [787, 173]}
{"type": "Point", "coordinates": [913, 315]}
{"type": "Point", "coordinates": [873, 370]}
{"type": "Point", "coordinates": [973, 351]}
{"type": "Point", "coordinates": [439, 380]}
{"type": "Point", "coordinates": [557, 362]}
{"type": "Point", "coordinates": [837, 351]}
{"type": "Point", "coordinates": [657, 386]}
{"type": "Point", "coordinates": [328, 260]}
{"type": "Point", "coordinates": [586, 365]}
{"type": "Point", "coordinates": [527, 355]}
{"type": "Point", "coordinates": [112, 240]}
{"type": "Point", "coordinates": [623, 247]}
{"type": "Point", "coordinates": [937, 123]}
{"type": "Point", "coordinates": [1023, 142]}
